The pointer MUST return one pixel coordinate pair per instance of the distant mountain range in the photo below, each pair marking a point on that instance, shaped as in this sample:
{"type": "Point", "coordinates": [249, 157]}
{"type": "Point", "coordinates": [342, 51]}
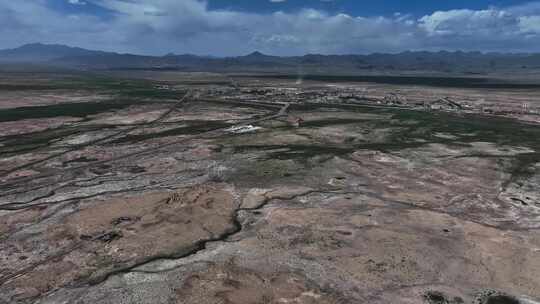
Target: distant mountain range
{"type": "Point", "coordinates": [463, 62]}
{"type": "Point", "coordinates": [38, 52]}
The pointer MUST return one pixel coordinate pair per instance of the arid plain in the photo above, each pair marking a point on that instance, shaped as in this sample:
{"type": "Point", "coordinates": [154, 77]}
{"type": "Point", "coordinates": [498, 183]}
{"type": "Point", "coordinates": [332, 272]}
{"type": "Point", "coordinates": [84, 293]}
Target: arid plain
{"type": "Point", "coordinates": [168, 187]}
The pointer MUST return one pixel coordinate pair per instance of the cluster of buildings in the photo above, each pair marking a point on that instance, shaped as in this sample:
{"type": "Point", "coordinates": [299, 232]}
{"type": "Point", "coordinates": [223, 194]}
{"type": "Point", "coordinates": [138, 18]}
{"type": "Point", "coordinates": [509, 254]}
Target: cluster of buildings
{"type": "Point", "coordinates": [352, 95]}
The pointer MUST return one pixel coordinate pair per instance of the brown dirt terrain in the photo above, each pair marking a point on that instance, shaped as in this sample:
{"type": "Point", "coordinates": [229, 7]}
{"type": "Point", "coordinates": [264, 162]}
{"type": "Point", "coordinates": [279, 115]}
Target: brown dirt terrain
{"type": "Point", "coordinates": [220, 199]}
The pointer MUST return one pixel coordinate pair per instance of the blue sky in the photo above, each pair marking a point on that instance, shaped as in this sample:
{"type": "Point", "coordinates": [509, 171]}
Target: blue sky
{"type": "Point", "coordinates": [280, 27]}
{"type": "Point", "coordinates": [361, 7]}
{"type": "Point", "coordinates": [352, 7]}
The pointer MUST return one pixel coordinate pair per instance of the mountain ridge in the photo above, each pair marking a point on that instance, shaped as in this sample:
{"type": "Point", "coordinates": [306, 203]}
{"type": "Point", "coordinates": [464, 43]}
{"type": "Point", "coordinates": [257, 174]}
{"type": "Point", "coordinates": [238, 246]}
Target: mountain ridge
{"type": "Point", "coordinates": [67, 56]}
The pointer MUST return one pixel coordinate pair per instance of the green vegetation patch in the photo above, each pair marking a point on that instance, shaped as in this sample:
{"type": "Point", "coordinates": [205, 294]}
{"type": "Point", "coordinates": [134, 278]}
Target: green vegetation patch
{"type": "Point", "coordinates": [194, 127]}
{"type": "Point", "coordinates": [64, 109]}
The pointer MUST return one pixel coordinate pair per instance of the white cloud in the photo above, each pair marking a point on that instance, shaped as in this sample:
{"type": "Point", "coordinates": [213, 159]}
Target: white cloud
{"type": "Point", "coordinates": [468, 22]}
{"type": "Point", "coordinates": [530, 24]}
{"type": "Point", "coordinates": [77, 2]}
{"type": "Point", "coordinates": [161, 26]}
{"type": "Point", "coordinates": [492, 29]}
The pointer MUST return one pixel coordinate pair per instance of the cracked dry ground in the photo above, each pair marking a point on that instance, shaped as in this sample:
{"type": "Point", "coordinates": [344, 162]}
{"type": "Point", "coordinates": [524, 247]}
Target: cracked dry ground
{"type": "Point", "coordinates": [354, 206]}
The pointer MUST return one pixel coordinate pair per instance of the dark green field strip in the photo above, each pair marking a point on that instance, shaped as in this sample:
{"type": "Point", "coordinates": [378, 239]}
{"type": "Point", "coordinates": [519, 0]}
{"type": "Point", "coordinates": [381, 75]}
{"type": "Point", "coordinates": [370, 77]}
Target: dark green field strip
{"type": "Point", "coordinates": [128, 88]}
{"type": "Point", "coordinates": [65, 109]}
{"type": "Point", "coordinates": [122, 88]}
{"type": "Point", "coordinates": [194, 127]}
{"type": "Point", "coordinates": [27, 87]}
{"type": "Point", "coordinates": [21, 143]}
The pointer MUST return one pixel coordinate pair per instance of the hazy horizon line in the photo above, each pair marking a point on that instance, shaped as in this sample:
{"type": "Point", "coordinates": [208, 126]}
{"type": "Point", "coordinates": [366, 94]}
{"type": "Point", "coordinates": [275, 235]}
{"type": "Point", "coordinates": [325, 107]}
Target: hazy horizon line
{"type": "Point", "coordinates": [172, 53]}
